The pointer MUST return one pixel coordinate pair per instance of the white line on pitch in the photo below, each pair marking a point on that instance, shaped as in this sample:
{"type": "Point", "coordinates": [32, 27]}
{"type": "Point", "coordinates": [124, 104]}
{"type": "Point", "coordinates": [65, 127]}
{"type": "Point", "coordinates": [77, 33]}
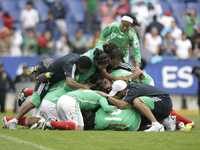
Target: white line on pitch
{"type": "Point", "coordinates": [20, 141]}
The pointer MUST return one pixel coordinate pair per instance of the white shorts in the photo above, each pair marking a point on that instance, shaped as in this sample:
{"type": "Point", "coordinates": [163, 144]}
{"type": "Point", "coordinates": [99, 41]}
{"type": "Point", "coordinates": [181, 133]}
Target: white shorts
{"type": "Point", "coordinates": [68, 109]}
{"type": "Point", "coordinates": [47, 110]}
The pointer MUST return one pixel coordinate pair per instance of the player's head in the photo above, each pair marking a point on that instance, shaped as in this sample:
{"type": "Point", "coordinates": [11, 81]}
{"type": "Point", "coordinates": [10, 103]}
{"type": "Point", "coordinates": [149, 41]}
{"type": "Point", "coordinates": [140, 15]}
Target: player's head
{"type": "Point", "coordinates": [114, 53]}
{"type": "Point", "coordinates": [104, 85]}
{"type": "Point", "coordinates": [128, 21]}
{"type": "Point", "coordinates": [101, 59]}
{"type": "Point", "coordinates": [84, 63]}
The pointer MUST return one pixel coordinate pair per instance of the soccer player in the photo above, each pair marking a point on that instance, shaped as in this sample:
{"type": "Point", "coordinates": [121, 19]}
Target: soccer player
{"type": "Point", "coordinates": [120, 119]}
{"type": "Point", "coordinates": [131, 95]}
{"type": "Point", "coordinates": [125, 37]}
{"type": "Point", "coordinates": [72, 67]}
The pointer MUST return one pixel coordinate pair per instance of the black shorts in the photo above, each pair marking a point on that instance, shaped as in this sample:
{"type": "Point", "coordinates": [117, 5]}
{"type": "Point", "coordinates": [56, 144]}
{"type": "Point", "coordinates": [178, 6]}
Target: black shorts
{"type": "Point", "coordinates": [163, 107]}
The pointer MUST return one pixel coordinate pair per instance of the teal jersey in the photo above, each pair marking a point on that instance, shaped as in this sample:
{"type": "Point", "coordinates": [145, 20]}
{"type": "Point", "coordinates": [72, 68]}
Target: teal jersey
{"type": "Point", "coordinates": [125, 119]}
{"type": "Point", "coordinates": [53, 94]}
{"type": "Point", "coordinates": [148, 101]}
{"type": "Point", "coordinates": [124, 40]}
{"type": "Point", "coordinates": [122, 72]}
{"type": "Point", "coordinates": [90, 100]}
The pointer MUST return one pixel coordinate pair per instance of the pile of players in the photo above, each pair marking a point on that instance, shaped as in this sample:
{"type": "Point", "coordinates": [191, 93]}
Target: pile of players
{"type": "Point", "coordinates": [99, 90]}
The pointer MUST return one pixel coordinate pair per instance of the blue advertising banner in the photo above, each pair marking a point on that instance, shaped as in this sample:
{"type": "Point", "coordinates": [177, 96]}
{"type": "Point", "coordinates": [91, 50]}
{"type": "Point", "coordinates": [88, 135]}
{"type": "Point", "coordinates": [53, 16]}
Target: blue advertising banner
{"type": "Point", "coordinates": [11, 64]}
{"type": "Point", "coordinates": [174, 75]}
{"type": "Point", "coordinates": [171, 75]}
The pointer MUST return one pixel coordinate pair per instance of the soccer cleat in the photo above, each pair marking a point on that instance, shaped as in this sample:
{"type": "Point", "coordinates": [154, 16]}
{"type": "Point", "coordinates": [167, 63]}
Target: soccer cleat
{"type": "Point", "coordinates": [11, 124]}
{"type": "Point", "coordinates": [170, 123]}
{"type": "Point", "coordinates": [155, 127]}
{"type": "Point", "coordinates": [5, 122]}
{"type": "Point", "coordinates": [186, 128]}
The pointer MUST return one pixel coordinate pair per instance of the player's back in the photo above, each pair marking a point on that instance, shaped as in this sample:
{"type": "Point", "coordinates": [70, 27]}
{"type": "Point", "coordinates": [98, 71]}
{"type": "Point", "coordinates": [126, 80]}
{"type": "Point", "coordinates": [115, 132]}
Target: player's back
{"type": "Point", "coordinates": [126, 119]}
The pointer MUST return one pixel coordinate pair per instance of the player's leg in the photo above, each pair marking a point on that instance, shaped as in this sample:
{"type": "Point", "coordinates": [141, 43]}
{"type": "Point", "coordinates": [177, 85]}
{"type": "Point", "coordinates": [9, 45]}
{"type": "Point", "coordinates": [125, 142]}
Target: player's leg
{"type": "Point", "coordinates": [139, 104]}
{"type": "Point", "coordinates": [68, 111]}
{"type": "Point", "coordinates": [144, 110]}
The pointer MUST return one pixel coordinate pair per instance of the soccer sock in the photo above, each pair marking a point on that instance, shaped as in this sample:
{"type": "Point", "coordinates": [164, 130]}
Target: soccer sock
{"type": "Point", "coordinates": [180, 118]}
{"type": "Point", "coordinates": [63, 125]}
{"type": "Point", "coordinates": [28, 91]}
{"type": "Point", "coordinates": [22, 121]}
{"type": "Point", "coordinates": [8, 118]}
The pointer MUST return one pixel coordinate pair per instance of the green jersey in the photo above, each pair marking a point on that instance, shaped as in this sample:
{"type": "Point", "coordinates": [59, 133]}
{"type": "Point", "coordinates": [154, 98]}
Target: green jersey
{"type": "Point", "coordinates": [54, 92]}
{"type": "Point", "coordinates": [125, 119]}
{"type": "Point", "coordinates": [121, 72]}
{"type": "Point", "coordinates": [124, 40]}
{"type": "Point", "coordinates": [148, 101]}
{"type": "Point", "coordinates": [89, 100]}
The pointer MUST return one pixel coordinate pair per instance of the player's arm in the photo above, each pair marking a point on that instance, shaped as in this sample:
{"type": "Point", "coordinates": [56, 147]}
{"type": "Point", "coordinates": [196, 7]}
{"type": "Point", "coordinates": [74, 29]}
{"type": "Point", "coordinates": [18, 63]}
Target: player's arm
{"type": "Point", "coordinates": [105, 106]}
{"type": "Point", "coordinates": [132, 76]}
{"type": "Point", "coordinates": [136, 50]}
{"type": "Point", "coordinates": [117, 102]}
{"type": "Point", "coordinates": [73, 84]}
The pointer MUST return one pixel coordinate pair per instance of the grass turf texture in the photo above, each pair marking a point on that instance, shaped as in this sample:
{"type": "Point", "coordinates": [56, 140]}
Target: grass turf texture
{"type": "Point", "coordinates": [25, 139]}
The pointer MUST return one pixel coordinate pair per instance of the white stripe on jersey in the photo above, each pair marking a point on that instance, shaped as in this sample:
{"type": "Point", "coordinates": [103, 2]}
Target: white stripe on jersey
{"type": "Point", "coordinates": [73, 71]}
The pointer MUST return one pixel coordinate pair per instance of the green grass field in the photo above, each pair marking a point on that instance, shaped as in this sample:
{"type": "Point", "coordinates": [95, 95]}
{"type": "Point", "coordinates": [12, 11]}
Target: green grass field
{"type": "Point", "coordinates": [25, 139]}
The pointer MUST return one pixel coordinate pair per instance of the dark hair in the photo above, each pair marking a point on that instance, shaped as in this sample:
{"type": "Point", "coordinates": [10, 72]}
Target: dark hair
{"type": "Point", "coordinates": [100, 57]}
{"type": "Point", "coordinates": [112, 50]}
{"type": "Point", "coordinates": [84, 62]}
{"type": "Point", "coordinates": [135, 21]}
{"type": "Point", "coordinates": [29, 3]}
{"type": "Point", "coordinates": [107, 47]}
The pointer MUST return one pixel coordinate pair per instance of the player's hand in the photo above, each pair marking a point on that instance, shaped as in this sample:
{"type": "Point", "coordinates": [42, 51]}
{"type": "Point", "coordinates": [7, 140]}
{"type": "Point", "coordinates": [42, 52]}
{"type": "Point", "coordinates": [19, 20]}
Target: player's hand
{"type": "Point", "coordinates": [44, 77]}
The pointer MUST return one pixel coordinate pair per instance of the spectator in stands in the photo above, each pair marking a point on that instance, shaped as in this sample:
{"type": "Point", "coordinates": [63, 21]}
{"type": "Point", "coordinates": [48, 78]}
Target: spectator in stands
{"type": "Point", "coordinates": [152, 42]}
{"type": "Point", "coordinates": [5, 84]}
{"type": "Point", "coordinates": [59, 14]}
{"type": "Point", "coordinates": [50, 24]}
{"type": "Point", "coordinates": [167, 19]}
{"type": "Point", "coordinates": [155, 24]}
{"type": "Point", "coordinates": [183, 47]}
{"type": "Point", "coordinates": [16, 42]}
{"type": "Point", "coordinates": [63, 46]}
{"type": "Point", "coordinates": [79, 43]}
{"type": "Point", "coordinates": [176, 32]}
{"type": "Point", "coordinates": [91, 15]}
{"type": "Point", "coordinates": [45, 43]}
{"type": "Point", "coordinates": [29, 46]}
{"type": "Point", "coordinates": [191, 20]}
{"type": "Point", "coordinates": [4, 41]}
{"type": "Point", "coordinates": [168, 45]}
{"type": "Point", "coordinates": [7, 20]}
{"type": "Point", "coordinates": [107, 12]}
{"type": "Point", "coordinates": [29, 17]}
{"type": "Point", "coordinates": [94, 39]}
{"type": "Point", "coordinates": [123, 8]}
{"type": "Point", "coordinates": [196, 39]}
{"type": "Point", "coordinates": [140, 9]}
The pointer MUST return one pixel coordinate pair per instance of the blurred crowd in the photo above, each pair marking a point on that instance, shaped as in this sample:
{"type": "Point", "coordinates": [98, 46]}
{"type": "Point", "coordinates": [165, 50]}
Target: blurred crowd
{"type": "Point", "coordinates": [159, 32]}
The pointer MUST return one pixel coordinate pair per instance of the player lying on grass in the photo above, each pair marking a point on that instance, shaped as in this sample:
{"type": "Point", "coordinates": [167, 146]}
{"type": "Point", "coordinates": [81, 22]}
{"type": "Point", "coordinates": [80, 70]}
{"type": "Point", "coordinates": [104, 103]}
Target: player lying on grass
{"type": "Point", "coordinates": [160, 102]}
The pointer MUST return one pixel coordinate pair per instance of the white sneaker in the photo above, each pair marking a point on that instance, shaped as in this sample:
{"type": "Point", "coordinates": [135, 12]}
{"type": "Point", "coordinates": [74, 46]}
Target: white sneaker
{"type": "Point", "coordinates": [39, 124]}
{"type": "Point", "coordinates": [170, 123]}
{"type": "Point", "coordinates": [5, 122]}
{"type": "Point", "coordinates": [11, 124]}
{"type": "Point", "coordinates": [155, 127]}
